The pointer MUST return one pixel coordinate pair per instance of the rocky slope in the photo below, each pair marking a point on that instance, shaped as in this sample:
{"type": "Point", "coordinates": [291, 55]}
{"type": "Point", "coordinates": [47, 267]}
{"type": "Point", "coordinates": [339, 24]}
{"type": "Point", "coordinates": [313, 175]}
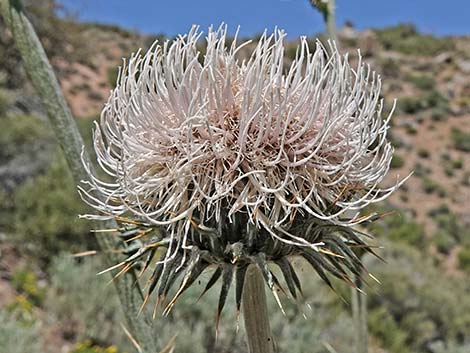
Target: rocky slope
{"type": "Point", "coordinates": [429, 77]}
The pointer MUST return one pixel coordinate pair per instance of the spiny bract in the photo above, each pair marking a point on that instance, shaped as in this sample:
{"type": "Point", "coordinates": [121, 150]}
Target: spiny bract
{"type": "Point", "coordinates": [227, 163]}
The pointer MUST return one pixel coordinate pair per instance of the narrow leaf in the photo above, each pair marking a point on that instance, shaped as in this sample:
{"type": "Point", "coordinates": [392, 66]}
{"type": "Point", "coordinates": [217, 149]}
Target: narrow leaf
{"type": "Point", "coordinates": [215, 276]}
{"type": "Point", "coordinates": [226, 282]}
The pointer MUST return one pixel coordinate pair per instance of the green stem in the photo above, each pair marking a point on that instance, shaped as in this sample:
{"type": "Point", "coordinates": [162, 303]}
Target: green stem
{"type": "Point", "coordinates": [330, 19]}
{"type": "Point", "coordinates": [359, 312]}
{"type": "Point", "coordinates": [255, 313]}
{"type": "Point", "coordinates": [327, 8]}
{"type": "Point", "coordinates": [47, 87]}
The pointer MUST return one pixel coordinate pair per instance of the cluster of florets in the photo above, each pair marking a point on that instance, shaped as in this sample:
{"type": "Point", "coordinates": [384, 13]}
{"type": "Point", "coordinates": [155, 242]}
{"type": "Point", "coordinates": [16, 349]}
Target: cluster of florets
{"type": "Point", "coordinates": [238, 162]}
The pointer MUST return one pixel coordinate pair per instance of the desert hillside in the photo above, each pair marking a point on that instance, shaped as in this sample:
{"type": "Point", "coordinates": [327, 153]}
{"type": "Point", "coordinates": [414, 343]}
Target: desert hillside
{"type": "Point", "coordinates": [51, 302]}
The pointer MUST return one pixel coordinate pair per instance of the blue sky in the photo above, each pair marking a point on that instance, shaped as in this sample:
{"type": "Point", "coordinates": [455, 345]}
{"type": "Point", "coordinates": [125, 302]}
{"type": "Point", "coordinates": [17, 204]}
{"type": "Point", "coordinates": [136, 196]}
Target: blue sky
{"type": "Point", "coordinates": [295, 16]}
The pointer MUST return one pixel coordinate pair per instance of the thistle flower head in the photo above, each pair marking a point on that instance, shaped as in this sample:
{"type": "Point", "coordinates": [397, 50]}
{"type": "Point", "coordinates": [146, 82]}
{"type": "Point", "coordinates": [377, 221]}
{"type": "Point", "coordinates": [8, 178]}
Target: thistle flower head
{"type": "Point", "coordinates": [233, 162]}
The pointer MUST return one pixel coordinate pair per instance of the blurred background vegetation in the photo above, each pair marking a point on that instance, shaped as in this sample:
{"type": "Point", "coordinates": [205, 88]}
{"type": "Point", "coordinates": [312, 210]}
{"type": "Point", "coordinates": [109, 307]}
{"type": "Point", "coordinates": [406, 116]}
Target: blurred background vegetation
{"type": "Point", "coordinates": [52, 302]}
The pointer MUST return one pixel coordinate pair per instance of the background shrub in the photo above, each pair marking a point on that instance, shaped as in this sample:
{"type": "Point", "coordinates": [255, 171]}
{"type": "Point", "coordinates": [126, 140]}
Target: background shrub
{"type": "Point", "coordinates": [397, 161]}
{"type": "Point", "coordinates": [461, 140]}
{"type": "Point", "coordinates": [17, 336]}
{"type": "Point", "coordinates": [425, 306]}
{"type": "Point", "coordinates": [83, 301]}
{"type": "Point", "coordinates": [25, 135]}
{"type": "Point", "coordinates": [421, 81]}
{"type": "Point", "coordinates": [464, 258]}
{"type": "Point", "coordinates": [406, 39]}
{"type": "Point", "coordinates": [46, 220]}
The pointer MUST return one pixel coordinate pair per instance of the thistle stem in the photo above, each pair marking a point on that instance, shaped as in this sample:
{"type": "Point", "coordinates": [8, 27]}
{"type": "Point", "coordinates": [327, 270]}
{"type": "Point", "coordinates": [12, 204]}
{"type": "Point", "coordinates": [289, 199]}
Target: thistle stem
{"type": "Point", "coordinates": [359, 312]}
{"type": "Point", "coordinates": [47, 87]}
{"type": "Point", "coordinates": [255, 313]}
{"type": "Point", "coordinates": [330, 20]}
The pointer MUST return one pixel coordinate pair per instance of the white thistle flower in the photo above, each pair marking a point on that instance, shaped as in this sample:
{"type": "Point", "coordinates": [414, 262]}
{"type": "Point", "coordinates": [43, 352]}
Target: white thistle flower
{"type": "Point", "coordinates": [184, 132]}
{"type": "Point", "coordinates": [204, 141]}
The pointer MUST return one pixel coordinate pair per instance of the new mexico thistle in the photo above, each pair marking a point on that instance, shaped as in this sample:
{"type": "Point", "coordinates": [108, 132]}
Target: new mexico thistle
{"type": "Point", "coordinates": [224, 163]}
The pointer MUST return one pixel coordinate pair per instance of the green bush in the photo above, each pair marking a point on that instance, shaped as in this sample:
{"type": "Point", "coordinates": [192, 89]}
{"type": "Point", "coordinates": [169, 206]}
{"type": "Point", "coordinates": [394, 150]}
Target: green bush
{"type": "Point", "coordinates": [421, 170]}
{"type": "Point", "coordinates": [17, 336]}
{"type": "Point", "coordinates": [390, 68]}
{"type": "Point", "coordinates": [397, 161]}
{"type": "Point", "coordinates": [408, 232]}
{"type": "Point", "coordinates": [439, 114]}
{"type": "Point", "coordinates": [461, 139]}
{"type": "Point", "coordinates": [410, 105]}
{"type": "Point", "coordinates": [104, 27]}
{"type": "Point", "coordinates": [26, 281]}
{"type": "Point", "coordinates": [423, 153]}
{"type": "Point", "coordinates": [448, 169]}
{"type": "Point", "coordinates": [400, 31]}
{"type": "Point", "coordinates": [466, 179]}
{"type": "Point", "coordinates": [424, 82]}
{"type": "Point", "coordinates": [432, 100]}
{"type": "Point", "coordinates": [417, 300]}
{"type": "Point", "coordinates": [23, 309]}
{"type": "Point", "coordinates": [444, 242]}
{"type": "Point", "coordinates": [450, 165]}
{"type": "Point", "coordinates": [4, 102]}
{"type": "Point", "coordinates": [383, 325]}
{"type": "Point", "coordinates": [399, 227]}
{"type": "Point", "coordinates": [448, 222]}
{"type": "Point", "coordinates": [77, 295]}
{"type": "Point", "coordinates": [431, 186]}
{"type": "Point", "coordinates": [406, 39]}
{"type": "Point", "coordinates": [457, 163]}
{"type": "Point", "coordinates": [25, 134]}
{"type": "Point", "coordinates": [436, 100]}
{"type": "Point", "coordinates": [464, 258]}
{"type": "Point", "coordinates": [46, 209]}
